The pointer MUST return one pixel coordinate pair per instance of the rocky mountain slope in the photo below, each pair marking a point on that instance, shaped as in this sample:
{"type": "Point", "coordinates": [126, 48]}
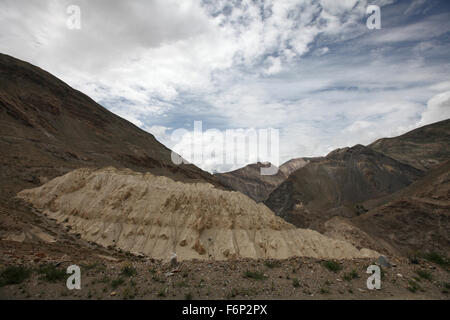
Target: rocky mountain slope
{"type": "Point", "coordinates": [334, 185]}
{"type": "Point", "coordinates": [249, 181]}
{"type": "Point", "coordinates": [416, 218]}
{"type": "Point", "coordinates": [422, 148]}
{"type": "Point", "coordinates": [156, 216]}
{"type": "Point", "coordinates": [390, 196]}
{"type": "Point", "coordinates": [294, 164]}
{"type": "Point", "coordinates": [48, 129]}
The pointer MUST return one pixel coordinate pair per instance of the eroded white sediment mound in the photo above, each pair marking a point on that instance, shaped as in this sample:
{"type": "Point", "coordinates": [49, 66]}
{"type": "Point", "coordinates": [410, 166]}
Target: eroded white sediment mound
{"type": "Point", "coordinates": [156, 216]}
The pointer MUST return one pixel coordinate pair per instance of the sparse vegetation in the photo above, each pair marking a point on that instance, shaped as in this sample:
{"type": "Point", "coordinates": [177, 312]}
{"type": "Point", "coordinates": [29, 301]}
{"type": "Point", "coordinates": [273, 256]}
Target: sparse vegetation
{"type": "Point", "coordinates": [446, 289]}
{"type": "Point", "coordinates": [117, 282]}
{"type": "Point", "coordinates": [188, 296]}
{"type": "Point", "coordinates": [324, 291]}
{"type": "Point", "coordinates": [424, 274]}
{"type": "Point", "coordinates": [413, 258]}
{"type": "Point", "coordinates": [182, 284]}
{"type": "Point", "coordinates": [128, 271]}
{"type": "Point", "coordinates": [162, 292]}
{"type": "Point", "coordinates": [129, 293]}
{"type": "Point", "coordinates": [437, 258]}
{"type": "Point", "coordinates": [295, 283]}
{"type": "Point", "coordinates": [255, 275]}
{"type": "Point", "coordinates": [52, 273]}
{"type": "Point", "coordinates": [13, 275]}
{"type": "Point", "coordinates": [271, 264]}
{"type": "Point", "coordinates": [348, 276]}
{"type": "Point", "coordinates": [413, 286]}
{"type": "Point", "coordinates": [332, 266]}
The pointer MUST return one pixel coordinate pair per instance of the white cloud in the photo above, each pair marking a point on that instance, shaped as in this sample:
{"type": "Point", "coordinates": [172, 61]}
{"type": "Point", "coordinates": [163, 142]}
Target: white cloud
{"type": "Point", "coordinates": [308, 67]}
{"type": "Point", "coordinates": [274, 65]}
{"type": "Point", "coordinates": [424, 30]}
{"type": "Point", "coordinates": [438, 108]}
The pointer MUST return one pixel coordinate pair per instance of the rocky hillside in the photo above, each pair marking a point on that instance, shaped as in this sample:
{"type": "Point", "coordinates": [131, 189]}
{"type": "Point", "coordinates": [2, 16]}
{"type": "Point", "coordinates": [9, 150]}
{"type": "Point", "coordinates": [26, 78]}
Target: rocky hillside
{"type": "Point", "coordinates": [416, 218]}
{"type": "Point", "coordinates": [156, 216]}
{"type": "Point", "coordinates": [294, 164]}
{"type": "Point", "coordinates": [422, 148]}
{"type": "Point", "coordinates": [336, 184]}
{"type": "Point", "coordinates": [47, 129]}
{"type": "Point", "coordinates": [249, 181]}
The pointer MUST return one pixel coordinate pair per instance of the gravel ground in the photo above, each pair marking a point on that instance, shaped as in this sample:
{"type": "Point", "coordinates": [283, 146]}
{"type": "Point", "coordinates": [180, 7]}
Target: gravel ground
{"type": "Point", "coordinates": [115, 275]}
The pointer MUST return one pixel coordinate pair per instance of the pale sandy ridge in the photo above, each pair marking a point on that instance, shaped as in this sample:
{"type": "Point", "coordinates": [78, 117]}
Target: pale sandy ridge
{"type": "Point", "coordinates": [155, 216]}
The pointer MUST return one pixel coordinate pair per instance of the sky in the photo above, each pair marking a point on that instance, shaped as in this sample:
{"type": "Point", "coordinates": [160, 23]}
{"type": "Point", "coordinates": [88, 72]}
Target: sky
{"type": "Point", "coordinates": [310, 69]}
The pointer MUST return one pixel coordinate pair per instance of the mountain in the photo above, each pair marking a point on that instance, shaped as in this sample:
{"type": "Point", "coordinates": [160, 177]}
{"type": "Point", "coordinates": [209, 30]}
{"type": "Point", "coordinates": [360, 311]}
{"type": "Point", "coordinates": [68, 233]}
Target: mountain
{"type": "Point", "coordinates": [391, 196]}
{"type": "Point", "coordinates": [47, 129]}
{"type": "Point", "coordinates": [294, 164]}
{"type": "Point", "coordinates": [249, 181]}
{"type": "Point", "coordinates": [155, 216]}
{"type": "Point", "coordinates": [334, 185]}
{"type": "Point", "coordinates": [421, 148]}
{"type": "Point", "coordinates": [76, 177]}
{"type": "Point", "coordinates": [416, 218]}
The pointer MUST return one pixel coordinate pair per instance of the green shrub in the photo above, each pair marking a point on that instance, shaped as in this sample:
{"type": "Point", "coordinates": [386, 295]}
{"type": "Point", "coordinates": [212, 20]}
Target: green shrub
{"type": "Point", "coordinates": [324, 291]}
{"type": "Point", "coordinates": [162, 293]}
{"type": "Point", "coordinates": [52, 273]}
{"type": "Point", "coordinates": [332, 265]}
{"type": "Point", "coordinates": [295, 283]}
{"type": "Point", "coordinates": [424, 274]}
{"type": "Point", "coordinates": [128, 271]}
{"type": "Point", "coordinates": [256, 275]}
{"type": "Point", "coordinates": [117, 282]}
{"type": "Point", "coordinates": [413, 286]}
{"type": "Point", "coordinates": [437, 258]}
{"type": "Point", "coordinates": [13, 275]}
{"type": "Point", "coordinates": [271, 264]}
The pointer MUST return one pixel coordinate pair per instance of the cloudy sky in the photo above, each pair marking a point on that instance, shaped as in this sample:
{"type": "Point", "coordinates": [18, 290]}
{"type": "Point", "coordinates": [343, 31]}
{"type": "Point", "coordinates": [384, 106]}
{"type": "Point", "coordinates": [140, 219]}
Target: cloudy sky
{"type": "Point", "coordinates": [309, 68]}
